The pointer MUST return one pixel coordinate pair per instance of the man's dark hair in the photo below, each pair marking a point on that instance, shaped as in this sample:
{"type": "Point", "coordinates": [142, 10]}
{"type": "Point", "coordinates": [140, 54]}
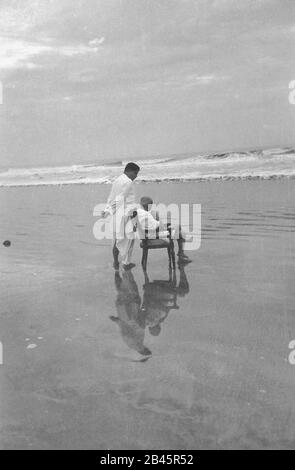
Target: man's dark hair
{"type": "Point", "coordinates": [132, 167]}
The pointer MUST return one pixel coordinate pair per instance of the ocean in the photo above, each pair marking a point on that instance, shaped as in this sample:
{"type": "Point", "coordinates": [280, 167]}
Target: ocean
{"type": "Point", "coordinates": [252, 164]}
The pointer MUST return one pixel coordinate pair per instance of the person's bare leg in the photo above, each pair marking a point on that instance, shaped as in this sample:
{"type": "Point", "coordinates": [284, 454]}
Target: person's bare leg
{"type": "Point", "coordinates": [126, 262]}
{"type": "Point", "coordinates": [116, 256]}
{"type": "Point", "coordinates": [180, 242]}
{"type": "Point", "coordinates": [182, 257]}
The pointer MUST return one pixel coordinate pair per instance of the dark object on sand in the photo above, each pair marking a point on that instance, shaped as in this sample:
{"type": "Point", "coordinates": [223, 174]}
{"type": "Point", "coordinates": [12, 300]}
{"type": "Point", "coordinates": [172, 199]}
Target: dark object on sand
{"type": "Point", "coordinates": [7, 243]}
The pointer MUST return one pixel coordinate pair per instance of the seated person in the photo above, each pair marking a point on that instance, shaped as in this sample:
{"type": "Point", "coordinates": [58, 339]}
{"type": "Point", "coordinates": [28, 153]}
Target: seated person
{"type": "Point", "coordinates": [149, 223]}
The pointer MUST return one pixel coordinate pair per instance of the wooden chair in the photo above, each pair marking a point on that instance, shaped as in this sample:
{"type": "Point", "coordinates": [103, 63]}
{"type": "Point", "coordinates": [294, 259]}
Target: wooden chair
{"type": "Point", "coordinates": [156, 244]}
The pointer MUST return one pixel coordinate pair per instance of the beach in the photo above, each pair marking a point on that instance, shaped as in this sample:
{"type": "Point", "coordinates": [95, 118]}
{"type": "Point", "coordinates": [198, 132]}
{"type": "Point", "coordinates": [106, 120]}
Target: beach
{"type": "Point", "coordinates": [217, 375]}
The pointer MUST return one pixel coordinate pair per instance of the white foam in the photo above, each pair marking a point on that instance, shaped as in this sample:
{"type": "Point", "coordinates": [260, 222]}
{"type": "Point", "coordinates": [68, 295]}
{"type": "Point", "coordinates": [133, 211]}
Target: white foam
{"type": "Point", "coordinates": [264, 164]}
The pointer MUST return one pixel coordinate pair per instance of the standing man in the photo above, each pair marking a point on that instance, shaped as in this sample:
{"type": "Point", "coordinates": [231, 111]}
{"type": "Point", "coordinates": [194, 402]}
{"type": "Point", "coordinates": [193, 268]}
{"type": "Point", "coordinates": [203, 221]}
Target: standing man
{"type": "Point", "coordinates": [120, 205]}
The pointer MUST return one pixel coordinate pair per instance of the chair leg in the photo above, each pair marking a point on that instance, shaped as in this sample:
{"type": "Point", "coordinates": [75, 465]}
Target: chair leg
{"type": "Point", "coordinates": [144, 259]}
{"type": "Point", "coordinates": [146, 277]}
{"type": "Point", "coordinates": [169, 256]}
{"type": "Point", "coordinates": [173, 255]}
{"type": "Point", "coordinates": [174, 280]}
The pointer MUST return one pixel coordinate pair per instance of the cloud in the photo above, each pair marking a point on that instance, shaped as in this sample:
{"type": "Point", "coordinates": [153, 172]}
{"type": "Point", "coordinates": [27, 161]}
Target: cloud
{"type": "Point", "coordinates": [190, 80]}
{"type": "Point", "coordinates": [71, 51]}
{"type": "Point", "coordinates": [96, 42]}
{"type": "Point", "coordinates": [18, 54]}
{"type": "Point", "coordinates": [201, 78]}
{"type": "Point", "coordinates": [29, 31]}
{"type": "Point", "coordinates": [15, 53]}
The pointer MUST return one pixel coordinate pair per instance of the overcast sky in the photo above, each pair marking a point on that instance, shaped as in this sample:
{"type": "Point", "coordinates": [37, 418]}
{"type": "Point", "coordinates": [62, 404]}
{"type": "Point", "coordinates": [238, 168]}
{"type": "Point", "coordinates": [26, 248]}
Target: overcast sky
{"type": "Point", "coordinates": [93, 80]}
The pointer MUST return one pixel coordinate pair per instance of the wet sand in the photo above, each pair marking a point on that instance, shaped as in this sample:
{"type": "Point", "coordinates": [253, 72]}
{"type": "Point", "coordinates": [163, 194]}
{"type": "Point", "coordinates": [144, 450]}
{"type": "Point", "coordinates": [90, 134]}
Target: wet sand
{"type": "Point", "coordinates": [94, 361]}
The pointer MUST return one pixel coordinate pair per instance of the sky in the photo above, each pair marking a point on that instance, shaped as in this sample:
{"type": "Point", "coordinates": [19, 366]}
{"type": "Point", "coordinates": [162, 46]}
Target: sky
{"type": "Point", "coordinates": [88, 81]}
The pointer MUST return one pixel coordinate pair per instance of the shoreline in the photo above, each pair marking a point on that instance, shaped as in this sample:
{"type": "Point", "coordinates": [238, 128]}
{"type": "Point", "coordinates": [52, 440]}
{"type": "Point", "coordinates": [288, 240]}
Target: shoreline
{"type": "Point", "coordinates": [210, 179]}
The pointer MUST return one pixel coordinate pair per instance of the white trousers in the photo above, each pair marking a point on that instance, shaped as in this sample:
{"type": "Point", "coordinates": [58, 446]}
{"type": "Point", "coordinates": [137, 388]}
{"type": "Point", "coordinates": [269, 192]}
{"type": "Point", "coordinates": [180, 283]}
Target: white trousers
{"type": "Point", "coordinates": [125, 248]}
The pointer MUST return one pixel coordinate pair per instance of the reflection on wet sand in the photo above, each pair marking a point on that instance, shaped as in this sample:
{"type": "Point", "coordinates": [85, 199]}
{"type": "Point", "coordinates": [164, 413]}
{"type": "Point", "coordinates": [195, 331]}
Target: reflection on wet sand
{"type": "Point", "coordinates": [135, 315]}
{"type": "Point", "coordinates": [219, 376]}
{"type": "Point", "coordinates": [130, 319]}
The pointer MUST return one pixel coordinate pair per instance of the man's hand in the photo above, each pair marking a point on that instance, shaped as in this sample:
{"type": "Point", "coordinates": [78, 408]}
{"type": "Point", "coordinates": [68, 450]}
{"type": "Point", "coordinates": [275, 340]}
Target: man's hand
{"type": "Point", "coordinates": [101, 211]}
{"type": "Point", "coordinates": [103, 214]}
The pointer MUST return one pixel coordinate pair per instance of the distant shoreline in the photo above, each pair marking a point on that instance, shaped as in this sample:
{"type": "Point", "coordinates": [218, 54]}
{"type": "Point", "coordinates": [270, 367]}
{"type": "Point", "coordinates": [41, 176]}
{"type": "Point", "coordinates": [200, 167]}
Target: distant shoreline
{"type": "Point", "coordinates": [159, 181]}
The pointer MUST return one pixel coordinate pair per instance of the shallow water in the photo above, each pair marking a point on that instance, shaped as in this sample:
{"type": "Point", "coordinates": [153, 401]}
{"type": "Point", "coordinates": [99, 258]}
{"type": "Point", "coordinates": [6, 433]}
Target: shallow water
{"type": "Point", "coordinates": [96, 361]}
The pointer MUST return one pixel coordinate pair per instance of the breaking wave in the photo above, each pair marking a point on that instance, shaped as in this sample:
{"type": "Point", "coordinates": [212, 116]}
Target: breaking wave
{"type": "Point", "coordinates": [254, 164]}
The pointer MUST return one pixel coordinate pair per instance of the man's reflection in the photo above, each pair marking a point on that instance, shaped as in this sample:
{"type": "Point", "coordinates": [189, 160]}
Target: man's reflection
{"type": "Point", "coordinates": [130, 319]}
{"type": "Point", "coordinates": [159, 298]}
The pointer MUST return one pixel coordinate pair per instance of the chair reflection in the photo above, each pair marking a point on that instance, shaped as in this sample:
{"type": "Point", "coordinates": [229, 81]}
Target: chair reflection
{"type": "Point", "coordinates": [135, 316]}
{"type": "Point", "coordinates": [160, 297]}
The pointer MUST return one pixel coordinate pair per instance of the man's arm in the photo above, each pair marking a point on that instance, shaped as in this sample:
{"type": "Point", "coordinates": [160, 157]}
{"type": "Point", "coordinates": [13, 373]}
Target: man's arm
{"type": "Point", "coordinates": [147, 221]}
{"type": "Point", "coordinates": [119, 197]}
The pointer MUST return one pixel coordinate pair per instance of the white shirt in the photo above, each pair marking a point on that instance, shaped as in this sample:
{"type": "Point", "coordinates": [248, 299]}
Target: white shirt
{"type": "Point", "coordinates": [147, 222]}
{"type": "Point", "coordinates": [122, 192]}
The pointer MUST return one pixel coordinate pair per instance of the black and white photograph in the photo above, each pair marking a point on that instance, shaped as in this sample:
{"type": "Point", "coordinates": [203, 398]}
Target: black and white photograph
{"type": "Point", "coordinates": [147, 223]}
